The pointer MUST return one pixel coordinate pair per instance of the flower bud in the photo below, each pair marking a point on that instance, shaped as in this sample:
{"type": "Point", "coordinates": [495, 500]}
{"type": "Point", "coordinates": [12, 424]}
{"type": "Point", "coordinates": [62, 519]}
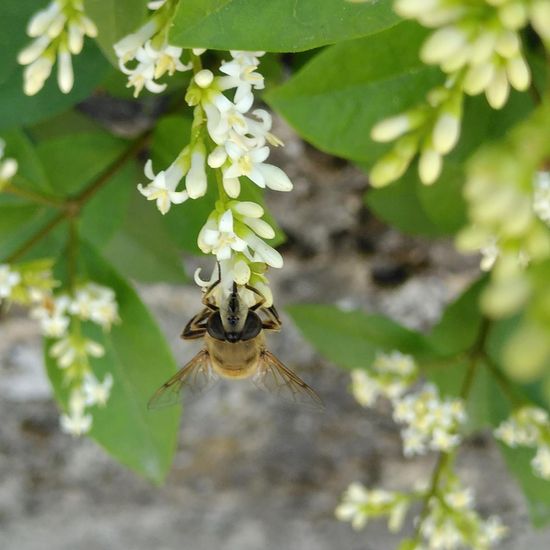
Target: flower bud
{"type": "Point", "coordinates": [204, 78]}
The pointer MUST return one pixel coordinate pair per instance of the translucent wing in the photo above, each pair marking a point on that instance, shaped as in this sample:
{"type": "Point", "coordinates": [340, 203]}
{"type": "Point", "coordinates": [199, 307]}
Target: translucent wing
{"type": "Point", "coordinates": [197, 375]}
{"type": "Point", "coordinates": [272, 376]}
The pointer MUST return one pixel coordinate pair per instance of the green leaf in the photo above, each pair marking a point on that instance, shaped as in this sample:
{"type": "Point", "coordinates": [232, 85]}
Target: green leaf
{"type": "Point", "coordinates": [535, 489]}
{"type": "Point", "coordinates": [460, 325]}
{"type": "Point", "coordinates": [352, 338]}
{"type": "Point", "coordinates": [30, 172]}
{"type": "Point", "coordinates": [341, 93]}
{"type": "Point", "coordinates": [144, 249]}
{"type": "Point", "coordinates": [280, 26]}
{"type": "Point", "coordinates": [400, 206]}
{"type": "Point", "coordinates": [16, 108]}
{"type": "Point", "coordinates": [105, 212]}
{"type": "Point", "coordinates": [139, 360]}
{"type": "Point", "coordinates": [72, 162]}
{"type": "Point", "coordinates": [115, 19]}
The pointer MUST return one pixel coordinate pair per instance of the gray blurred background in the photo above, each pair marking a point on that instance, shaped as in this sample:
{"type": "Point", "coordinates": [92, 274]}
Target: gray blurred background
{"type": "Point", "coordinates": [250, 474]}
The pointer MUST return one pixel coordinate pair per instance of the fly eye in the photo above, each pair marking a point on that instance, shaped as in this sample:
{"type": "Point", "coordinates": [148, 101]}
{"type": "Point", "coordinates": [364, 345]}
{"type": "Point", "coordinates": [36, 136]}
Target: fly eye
{"type": "Point", "coordinates": [232, 320]}
{"type": "Point", "coordinates": [215, 327]}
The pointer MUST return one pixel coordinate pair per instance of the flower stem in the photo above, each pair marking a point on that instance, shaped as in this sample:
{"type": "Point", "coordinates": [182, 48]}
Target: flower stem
{"type": "Point", "coordinates": [32, 196]}
{"type": "Point", "coordinates": [72, 254]}
{"type": "Point", "coordinates": [475, 355]}
{"type": "Point", "coordinates": [72, 206]}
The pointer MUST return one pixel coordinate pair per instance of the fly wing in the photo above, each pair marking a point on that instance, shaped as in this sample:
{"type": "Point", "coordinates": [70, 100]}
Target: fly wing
{"type": "Point", "coordinates": [197, 375]}
{"type": "Point", "coordinates": [272, 376]}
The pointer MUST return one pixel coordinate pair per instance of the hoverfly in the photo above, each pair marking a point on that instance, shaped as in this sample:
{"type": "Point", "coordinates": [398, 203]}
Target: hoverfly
{"type": "Point", "coordinates": [234, 348]}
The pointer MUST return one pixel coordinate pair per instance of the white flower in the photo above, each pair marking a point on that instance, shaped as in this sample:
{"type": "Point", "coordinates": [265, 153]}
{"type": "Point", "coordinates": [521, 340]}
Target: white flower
{"type": "Point", "coordinates": [492, 531]}
{"type": "Point", "coordinates": [541, 462]}
{"type": "Point", "coordinates": [59, 31]}
{"type": "Point", "coordinates": [127, 48]}
{"type": "Point", "coordinates": [96, 392]}
{"type": "Point", "coordinates": [8, 280]}
{"type": "Point", "coordinates": [151, 65]}
{"type": "Point", "coordinates": [242, 75]}
{"type": "Point", "coordinates": [196, 181]}
{"type": "Point", "coordinates": [52, 314]}
{"type": "Point", "coordinates": [96, 303]}
{"type": "Point", "coordinates": [414, 442]}
{"type": "Point", "coordinates": [76, 423]}
{"type": "Point", "coordinates": [162, 188]}
{"type": "Point", "coordinates": [74, 350]}
{"type": "Point", "coordinates": [251, 164]}
{"type": "Point", "coordinates": [461, 499]}
{"type": "Point", "coordinates": [352, 506]}
{"type": "Point", "coordinates": [219, 238]}
{"type": "Point", "coordinates": [444, 441]}
{"type": "Point", "coordinates": [365, 389]}
{"type": "Point", "coordinates": [234, 231]}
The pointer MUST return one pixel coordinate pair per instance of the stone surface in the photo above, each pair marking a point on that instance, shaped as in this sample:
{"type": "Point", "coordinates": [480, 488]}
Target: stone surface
{"type": "Point", "coordinates": [250, 473]}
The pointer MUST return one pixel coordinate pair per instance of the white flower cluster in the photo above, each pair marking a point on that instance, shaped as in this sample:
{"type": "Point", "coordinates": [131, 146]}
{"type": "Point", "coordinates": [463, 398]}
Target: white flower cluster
{"type": "Point", "coordinates": [507, 226]}
{"type": "Point", "coordinates": [60, 318]}
{"type": "Point", "coordinates": [479, 46]}
{"type": "Point", "coordinates": [479, 40]}
{"type": "Point", "coordinates": [431, 423]}
{"type": "Point", "coordinates": [452, 522]}
{"type": "Point", "coordinates": [235, 231]}
{"type": "Point", "coordinates": [91, 302]}
{"type": "Point", "coordinates": [432, 128]}
{"type": "Point", "coordinates": [391, 376]}
{"type": "Point", "coordinates": [91, 393]}
{"type": "Point", "coordinates": [8, 166]}
{"type": "Point", "coordinates": [149, 52]}
{"type": "Point", "coordinates": [360, 504]}
{"type": "Point", "coordinates": [27, 283]}
{"type": "Point", "coordinates": [529, 427]}
{"type": "Point", "coordinates": [58, 32]}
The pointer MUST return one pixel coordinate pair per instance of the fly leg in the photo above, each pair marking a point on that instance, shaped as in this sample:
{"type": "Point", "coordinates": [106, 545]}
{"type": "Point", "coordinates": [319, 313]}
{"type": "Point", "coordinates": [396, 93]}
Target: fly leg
{"type": "Point", "coordinates": [273, 321]}
{"type": "Point", "coordinates": [196, 327]}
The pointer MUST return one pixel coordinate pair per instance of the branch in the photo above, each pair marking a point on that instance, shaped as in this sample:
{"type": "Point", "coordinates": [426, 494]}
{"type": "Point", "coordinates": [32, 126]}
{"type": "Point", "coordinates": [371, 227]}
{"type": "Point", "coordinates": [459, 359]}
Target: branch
{"type": "Point", "coordinates": [72, 207]}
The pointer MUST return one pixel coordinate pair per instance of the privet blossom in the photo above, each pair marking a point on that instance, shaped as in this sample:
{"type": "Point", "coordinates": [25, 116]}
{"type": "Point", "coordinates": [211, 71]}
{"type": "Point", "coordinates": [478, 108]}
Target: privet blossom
{"type": "Point", "coordinates": [230, 139]}
{"type": "Point", "coordinates": [449, 521]}
{"type": "Point", "coordinates": [58, 32]}
{"type": "Point", "coordinates": [146, 55]}
{"type": "Point", "coordinates": [479, 47]}
{"type": "Point", "coordinates": [506, 191]}
{"type": "Point", "coordinates": [529, 427]}
{"type": "Point", "coordinates": [60, 317]}
{"type": "Point", "coordinates": [430, 423]}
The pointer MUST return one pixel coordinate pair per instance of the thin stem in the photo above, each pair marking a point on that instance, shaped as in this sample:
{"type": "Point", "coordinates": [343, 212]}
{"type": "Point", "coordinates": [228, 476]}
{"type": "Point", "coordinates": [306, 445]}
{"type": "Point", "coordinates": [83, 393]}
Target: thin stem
{"type": "Point", "coordinates": [37, 237]}
{"type": "Point", "coordinates": [72, 254]}
{"type": "Point", "coordinates": [506, 386]}
{"type": "Point", "coordinates": [72, 207]}
{"type": "Point", "coordinates": [475, 354]}
{"type": "Point", "coordinates": [197, 63]}
{"type": "Point", "coordinates": [32, 196]}
{"type": "Point", "coordinates": [111, 170]}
